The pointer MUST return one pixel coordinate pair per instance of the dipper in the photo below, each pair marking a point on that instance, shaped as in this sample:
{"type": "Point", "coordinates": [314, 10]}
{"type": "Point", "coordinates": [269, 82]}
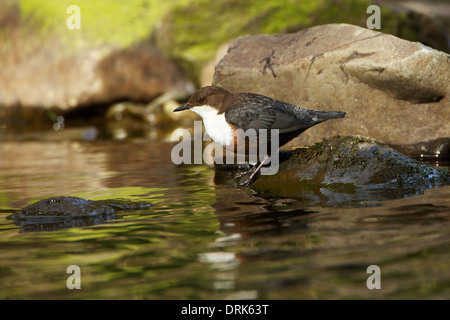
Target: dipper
{"type": "Point", "coordinates": [223, 112]}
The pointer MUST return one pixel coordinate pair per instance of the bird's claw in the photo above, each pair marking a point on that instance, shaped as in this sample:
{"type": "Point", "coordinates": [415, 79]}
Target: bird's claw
{"type": "Point", "coordinates": [252, 176]}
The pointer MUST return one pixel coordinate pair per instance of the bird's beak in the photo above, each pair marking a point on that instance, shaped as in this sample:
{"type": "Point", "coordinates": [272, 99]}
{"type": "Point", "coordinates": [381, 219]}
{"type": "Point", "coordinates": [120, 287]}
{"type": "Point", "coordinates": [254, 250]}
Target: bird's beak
{"type": "Point", "coordinates": [181, 108]}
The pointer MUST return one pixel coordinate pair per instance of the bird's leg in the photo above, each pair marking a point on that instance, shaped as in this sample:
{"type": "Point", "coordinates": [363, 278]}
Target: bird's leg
{"type": "Point", "coordinates": [255, 172]}
{"type": "Point", "coordinates": [240, 175]}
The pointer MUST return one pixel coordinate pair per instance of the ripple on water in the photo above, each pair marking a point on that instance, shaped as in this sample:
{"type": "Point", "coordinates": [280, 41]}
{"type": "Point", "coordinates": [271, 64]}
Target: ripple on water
{"type": "Point", "coordinates": [202, 240]}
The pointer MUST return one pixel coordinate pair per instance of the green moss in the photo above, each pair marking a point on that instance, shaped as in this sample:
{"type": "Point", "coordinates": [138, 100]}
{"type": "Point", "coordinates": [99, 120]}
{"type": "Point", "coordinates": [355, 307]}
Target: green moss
{"type": "Point", "coordinates": [116, 22]}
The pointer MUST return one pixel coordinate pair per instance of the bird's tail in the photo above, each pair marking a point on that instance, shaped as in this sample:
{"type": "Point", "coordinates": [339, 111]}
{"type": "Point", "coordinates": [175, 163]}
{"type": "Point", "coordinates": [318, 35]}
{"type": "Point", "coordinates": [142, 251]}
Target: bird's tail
{"type": "Point", "coordinates": [326, 115]}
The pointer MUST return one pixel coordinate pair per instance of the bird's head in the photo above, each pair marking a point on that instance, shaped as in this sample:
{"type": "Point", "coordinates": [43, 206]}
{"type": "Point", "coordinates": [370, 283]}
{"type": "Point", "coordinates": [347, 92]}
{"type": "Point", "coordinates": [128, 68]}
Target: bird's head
{"type": "Point", "coordinates": [207, 99]}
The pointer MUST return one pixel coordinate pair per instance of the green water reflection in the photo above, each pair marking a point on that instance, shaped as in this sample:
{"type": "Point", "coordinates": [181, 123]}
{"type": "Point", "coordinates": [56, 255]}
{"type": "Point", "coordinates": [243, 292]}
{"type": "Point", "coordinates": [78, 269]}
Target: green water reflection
{"type": "Point", "coordinates": [205, 238]}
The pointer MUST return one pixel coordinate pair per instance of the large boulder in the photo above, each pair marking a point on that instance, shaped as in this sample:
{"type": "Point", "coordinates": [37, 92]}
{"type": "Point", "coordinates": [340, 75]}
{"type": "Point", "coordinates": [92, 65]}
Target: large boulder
{"type": "Point", "coordinates": [393, 90]}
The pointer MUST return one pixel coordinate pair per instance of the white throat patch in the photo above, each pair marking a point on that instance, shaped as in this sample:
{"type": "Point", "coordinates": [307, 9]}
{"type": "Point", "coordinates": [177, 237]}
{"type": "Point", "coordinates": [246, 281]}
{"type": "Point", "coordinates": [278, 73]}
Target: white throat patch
{"type": "Point", "coordinates": [216, 126]}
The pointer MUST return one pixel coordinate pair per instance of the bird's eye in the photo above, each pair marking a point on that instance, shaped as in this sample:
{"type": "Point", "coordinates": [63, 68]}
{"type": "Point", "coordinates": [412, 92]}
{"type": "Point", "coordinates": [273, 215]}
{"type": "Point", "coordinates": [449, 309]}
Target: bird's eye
{"type": "Point", "coordinates": [201, 99]}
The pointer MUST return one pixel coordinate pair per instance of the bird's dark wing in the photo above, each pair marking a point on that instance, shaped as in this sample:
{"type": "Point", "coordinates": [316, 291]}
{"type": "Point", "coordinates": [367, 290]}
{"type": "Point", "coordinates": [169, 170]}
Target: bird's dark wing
{"type": "Point", "coordinates": [254, 111]}
{"type": "Point", "coordinates": [251, 117]}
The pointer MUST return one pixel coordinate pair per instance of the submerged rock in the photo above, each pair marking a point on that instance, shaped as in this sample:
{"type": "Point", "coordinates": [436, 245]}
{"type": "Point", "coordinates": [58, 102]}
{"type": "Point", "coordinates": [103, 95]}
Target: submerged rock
{"type": "Point", "coordinates": [393, 90]}
{"type": "Point", "coordinates": [58, 212]}
{"type": "Point", "coordinates": [350, 162]}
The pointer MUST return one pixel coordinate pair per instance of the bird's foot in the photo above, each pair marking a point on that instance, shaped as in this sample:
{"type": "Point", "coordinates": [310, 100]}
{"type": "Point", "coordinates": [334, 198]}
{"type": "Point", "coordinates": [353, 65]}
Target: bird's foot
{"type": "Point", "coordinates": [254, 172]}
{"type": "Point", "coordinates": [248, 177]}
{"type": "Point", "coordinates": [248, 181]}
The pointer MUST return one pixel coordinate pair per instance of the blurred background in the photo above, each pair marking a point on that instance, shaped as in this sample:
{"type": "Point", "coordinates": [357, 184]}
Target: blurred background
{"type": "Point", "coordinates": [116, 60]}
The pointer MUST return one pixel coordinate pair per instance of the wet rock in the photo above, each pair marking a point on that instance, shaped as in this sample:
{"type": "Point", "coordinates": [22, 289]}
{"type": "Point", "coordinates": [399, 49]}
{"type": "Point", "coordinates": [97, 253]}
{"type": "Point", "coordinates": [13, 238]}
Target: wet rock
{"type": "Point", "coordinates": [348, 163]}
{"type": "Point", "coordinates": [392, 90]}
{"type": "Point", "coordinates": [435, 150]}
{"type": "Point", "coordinates": [130, 119]}
{"type": "Point", "coordinates": [76, 207]}
{"type": "Point", "coordinates": [58, 212]}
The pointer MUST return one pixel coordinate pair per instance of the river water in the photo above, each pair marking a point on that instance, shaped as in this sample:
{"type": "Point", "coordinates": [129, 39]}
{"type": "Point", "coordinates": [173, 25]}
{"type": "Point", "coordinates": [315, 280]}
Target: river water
{"type": "Point", "coordinates": [205, 238]}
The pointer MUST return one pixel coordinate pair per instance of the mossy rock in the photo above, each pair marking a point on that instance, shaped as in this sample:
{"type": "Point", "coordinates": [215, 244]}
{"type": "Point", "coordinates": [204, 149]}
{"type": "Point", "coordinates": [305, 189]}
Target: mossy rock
{"type": "Point", "coordinates": [347, 163]}
{"type": "Point", "coordinates": [62, 212]}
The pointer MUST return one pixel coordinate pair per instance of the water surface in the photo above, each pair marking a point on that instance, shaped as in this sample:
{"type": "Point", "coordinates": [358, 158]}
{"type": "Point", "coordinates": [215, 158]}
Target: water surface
{"type": "Point", "coordinates": [205, 238]}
